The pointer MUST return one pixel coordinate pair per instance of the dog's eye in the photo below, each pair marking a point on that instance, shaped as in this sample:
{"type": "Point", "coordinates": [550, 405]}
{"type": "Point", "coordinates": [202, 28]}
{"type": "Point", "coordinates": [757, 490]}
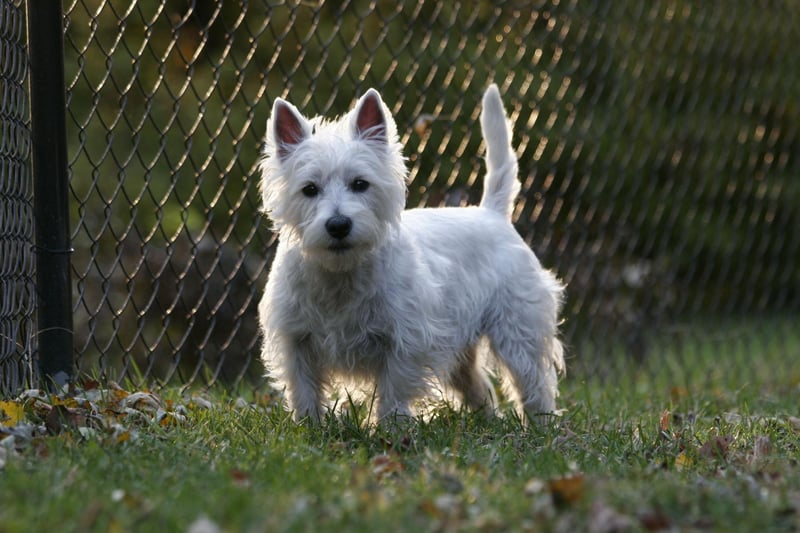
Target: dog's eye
{"type": "Point", "coordinates": [359, 185]}
{"type": "Point", "coordinates": [310, 190]}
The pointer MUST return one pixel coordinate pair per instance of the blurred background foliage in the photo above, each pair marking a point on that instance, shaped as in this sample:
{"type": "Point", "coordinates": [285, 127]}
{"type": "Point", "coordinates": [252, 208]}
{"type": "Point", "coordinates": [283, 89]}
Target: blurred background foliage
{"type": "Point", "coordinates": [658, 142]}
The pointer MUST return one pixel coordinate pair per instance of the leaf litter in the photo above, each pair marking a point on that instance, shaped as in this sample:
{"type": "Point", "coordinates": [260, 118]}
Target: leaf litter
{"type": "Point", "coordinates": [111, 415]}
{"type": "Point", "coordinates": [115, 416]}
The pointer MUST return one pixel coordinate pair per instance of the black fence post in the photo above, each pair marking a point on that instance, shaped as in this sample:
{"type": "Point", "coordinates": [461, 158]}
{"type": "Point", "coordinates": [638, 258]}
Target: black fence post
{"type": "Point", "coordinates": [51, 190]}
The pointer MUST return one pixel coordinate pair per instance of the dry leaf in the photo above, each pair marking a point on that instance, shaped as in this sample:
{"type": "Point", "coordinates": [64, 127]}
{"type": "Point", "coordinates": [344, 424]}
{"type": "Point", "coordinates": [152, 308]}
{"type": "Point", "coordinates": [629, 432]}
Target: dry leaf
{"type": "Point", "coordinates": [655, 521]}
{"type": "Point", "coordinates": [169, 419]}
{"type": "Point", "coordinates": [663, 422]}
{"type": "Point", "coordinates": [36, 394]}
{"type": "Point", "coordinates": [11, 413]}
{"type": "Point", "coordinates": [429, 508]}
{"type": "Point", "coordinates": [534, 486]}
{"type": "Point", "coordinates": [447, 504]}
{"type": "Point", "coordinates": [141, 401]}
{"type": "Point", "coordinates": [566, 490]}
{"type": "Point", "coordinates": [61, 418]}
{"type": "Point", "coordinates": [203, 525]}
{"type": "Point", "coordinates": [69, 401]}
{"type": "Point", "coordinates": [716, 447]}
{"type": "Point", "coordinates": [122, 436]}
{"type": "Point", "coordinates": [732, 418]}
{"type": "Point", "coordinates": [762, 447]}
{"type": "Point", "coordinates": [683, 461]}
{"type": "Point", "coordinates": [88, 518]}
{"type": "Point", "coordinates": [384, 465]}
{"type": "Point", "coordinates": [677, 394]}
{"type": "Point", "coordinates": [196, 402]}
{"type": "Point", "coordinates": [240, 477]}
{"type": "Point", "coordinates": [117, 395]}
{"type": "Point", "coordinates": [636, 439]}
{"type": "Point", "coordinates": [422, 123]}
{"type": "Point", "coordinates": [89, 384]}
{"type": "Point", "coordinates": [604, 519]}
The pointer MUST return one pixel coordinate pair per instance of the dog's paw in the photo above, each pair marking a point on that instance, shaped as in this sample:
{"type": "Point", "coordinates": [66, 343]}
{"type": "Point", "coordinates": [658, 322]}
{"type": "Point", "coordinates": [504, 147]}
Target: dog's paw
{"type": "Point", "coordinates": [312, 415]}
{"type": "Point", "coordinates": [396, 414]}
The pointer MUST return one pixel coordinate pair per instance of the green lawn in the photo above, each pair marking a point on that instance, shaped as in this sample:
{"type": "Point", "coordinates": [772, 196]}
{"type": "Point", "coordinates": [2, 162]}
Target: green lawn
{"type": "Point", "coordinates": [641, 454]}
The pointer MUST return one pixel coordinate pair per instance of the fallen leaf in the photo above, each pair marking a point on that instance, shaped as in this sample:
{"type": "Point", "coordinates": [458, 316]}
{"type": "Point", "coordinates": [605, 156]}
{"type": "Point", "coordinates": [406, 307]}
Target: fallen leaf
{"type": "Point", "coordinates": [203, 524]}
{"type": "Point", "coordinates": [732, 418]}
{"type": "Point", "coordinates": [430, 508]}
{"type": "Point", "coordinates": [61, 418]}
{"type": "Point", "coordinates": [566, 436]}
{"type": "Point", "coordinates": [116, 396]}
{"type": "Point", "coordinates": [450, 483]}
{"type": "Point", "coordinates": [87, 383]}
{"type": "Point", "coordinates": [655, 521]}
{"type": "Point", "coordinates": [384, 465]}
{"type": "Point", "coordinates": [89, 517]}
{"type": "Point", "coordinates": [762, 447]}
{"type": "Point", "coordinates": [636, 439]}
{"type": "Point", "coordinates": [604, 519]}
{"type": "Point", "coordinates": [447, 504]}
{"type": "Point", "coordinates": [683, 461]}
{"type": "Point", "coordinates": [716, 447]}
{"type": "Point", "coordinates": [677, 394]}
{"type": "Point", "coordinates": [196, 402]}
{"type": "Point", "coordinates": [169, 419]}
{"type": "Point", "coordinates": [663, 422]}
{"type": "Point", "coordinates": [240, 477]}
{"type": "Point", "coordinates": [534, 486]}
{"type": "Point", "coordinates": [566, 490]}
{"type": "Point", "coordinates": [36, 394]}
{"type": "Point", "coordinates": [422, 123]}
{"type": "Point", "coordinates": [87, 433]}
{"type": "Point", "coordinates": [11, 413]}
{"type": "Point", "coordinates": [68, 401]}
{"type": "Point", "coordinates": [40, 448]}
{"type": "Point", "coordinates": [141, 401]}
{"type": "Point", "coordinates": [122, 435]}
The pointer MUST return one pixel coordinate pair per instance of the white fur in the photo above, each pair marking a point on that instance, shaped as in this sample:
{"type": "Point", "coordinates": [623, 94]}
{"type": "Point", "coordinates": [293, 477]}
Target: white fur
{"type": "Point", "coordinates": [404, 300]}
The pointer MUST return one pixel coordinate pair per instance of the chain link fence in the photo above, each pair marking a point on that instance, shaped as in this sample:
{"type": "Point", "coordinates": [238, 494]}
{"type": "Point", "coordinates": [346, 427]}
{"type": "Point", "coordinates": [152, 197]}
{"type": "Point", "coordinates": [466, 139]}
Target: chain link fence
{"type": "Point", "coordinates": [17, 294]}
{"type": "Point", "coordinates": [658, 142]}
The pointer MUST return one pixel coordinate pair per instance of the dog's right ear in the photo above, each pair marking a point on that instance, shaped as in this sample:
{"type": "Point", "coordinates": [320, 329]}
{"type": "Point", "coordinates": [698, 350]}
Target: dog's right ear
{"type": "Point", "coordinates": [370, 121]}
{"type": "Point", "coordinates": [289, 128]}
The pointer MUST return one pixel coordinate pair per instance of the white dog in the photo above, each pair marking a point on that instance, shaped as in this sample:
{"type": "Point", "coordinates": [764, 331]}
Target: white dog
{"type": "Point", "coordinates": [363, 291]}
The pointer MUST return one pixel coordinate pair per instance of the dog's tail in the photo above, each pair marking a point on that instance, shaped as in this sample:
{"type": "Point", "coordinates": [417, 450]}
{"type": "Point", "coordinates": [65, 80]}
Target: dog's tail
{"type": "Point", "coordinates": [501, 186]}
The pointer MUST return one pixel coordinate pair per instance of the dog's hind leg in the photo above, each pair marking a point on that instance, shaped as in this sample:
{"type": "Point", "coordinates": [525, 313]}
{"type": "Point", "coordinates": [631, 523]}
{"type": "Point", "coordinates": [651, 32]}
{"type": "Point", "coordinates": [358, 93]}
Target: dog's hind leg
{"type": "Point", "coordinates": [531, 373]}
{"type": "Point", "coordinates": [523, 338]}
{"type": "Point", "coordinates": [469, 379]}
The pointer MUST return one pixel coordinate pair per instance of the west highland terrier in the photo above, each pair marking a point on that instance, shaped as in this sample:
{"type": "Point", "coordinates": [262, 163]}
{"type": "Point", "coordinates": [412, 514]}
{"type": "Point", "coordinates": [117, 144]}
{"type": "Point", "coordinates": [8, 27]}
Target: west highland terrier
{"type": "Point", "coordinates": [364, 292]}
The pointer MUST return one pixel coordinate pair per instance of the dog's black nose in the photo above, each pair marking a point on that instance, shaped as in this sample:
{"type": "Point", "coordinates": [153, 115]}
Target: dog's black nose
{"type": "Point", "coordinates": [339, 226]}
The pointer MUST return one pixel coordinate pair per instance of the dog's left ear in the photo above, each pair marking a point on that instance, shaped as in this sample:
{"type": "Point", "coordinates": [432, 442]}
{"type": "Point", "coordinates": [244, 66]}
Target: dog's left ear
{"type": "Point", "coordinates": [370, 123]}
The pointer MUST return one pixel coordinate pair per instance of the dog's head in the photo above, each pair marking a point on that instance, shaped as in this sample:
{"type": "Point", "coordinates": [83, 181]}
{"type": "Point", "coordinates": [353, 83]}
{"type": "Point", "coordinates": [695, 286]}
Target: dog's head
{"type": "Point", "coordinates": [334, 188]}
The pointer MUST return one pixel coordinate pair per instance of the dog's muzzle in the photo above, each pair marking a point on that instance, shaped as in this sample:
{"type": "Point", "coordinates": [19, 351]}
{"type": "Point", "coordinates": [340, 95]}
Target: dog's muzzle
{"type": "Point", "coordinates": [339, 226]}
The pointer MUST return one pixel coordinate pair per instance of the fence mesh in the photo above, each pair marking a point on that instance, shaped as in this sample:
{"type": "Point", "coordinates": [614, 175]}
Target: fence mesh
{"type": "Point", "coordinates": [17, 295]}
{"type": "Point", "coordinates": [658, 143]}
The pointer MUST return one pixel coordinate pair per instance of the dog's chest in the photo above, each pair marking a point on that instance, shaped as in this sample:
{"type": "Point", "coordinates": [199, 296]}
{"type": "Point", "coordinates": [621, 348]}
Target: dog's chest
{"type": "Point", "coordinates": [348, 327]}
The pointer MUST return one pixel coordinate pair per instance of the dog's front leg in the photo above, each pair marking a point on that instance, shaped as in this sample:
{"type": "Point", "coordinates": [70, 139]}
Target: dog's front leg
{"type": "Point", "coordinates": [394, 391]}
{"type": "Point", "coordinates": [305, 381]}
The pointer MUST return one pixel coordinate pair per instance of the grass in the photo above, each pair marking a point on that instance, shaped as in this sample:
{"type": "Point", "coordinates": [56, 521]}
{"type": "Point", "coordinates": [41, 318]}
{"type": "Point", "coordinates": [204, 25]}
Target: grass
{"type": "Point", "coordinates": [642, 455]}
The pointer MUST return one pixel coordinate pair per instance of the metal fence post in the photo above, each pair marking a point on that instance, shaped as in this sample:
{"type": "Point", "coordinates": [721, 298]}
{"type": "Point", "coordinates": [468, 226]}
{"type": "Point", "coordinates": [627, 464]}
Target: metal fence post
{"type": "Point", "coordinates": [51, 189]}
